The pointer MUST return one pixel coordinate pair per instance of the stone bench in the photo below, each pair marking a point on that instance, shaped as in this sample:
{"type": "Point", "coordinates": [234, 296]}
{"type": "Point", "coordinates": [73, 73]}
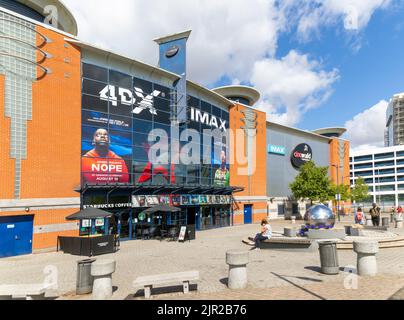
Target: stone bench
{"type": "Point", "coordinates": [23, 291]}
{"type": "Point", "coordinates": [183, 278]}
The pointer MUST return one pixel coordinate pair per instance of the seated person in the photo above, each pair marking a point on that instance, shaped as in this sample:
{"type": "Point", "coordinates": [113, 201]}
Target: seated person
{"type": "Point", "coordinates": [266, 234]}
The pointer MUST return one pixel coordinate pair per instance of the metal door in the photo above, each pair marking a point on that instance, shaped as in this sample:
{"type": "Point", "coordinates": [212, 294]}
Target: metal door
{"type": "Point", "coordinates": [248, 214]}
{"type": "Point", "coordinates": [16, 235]}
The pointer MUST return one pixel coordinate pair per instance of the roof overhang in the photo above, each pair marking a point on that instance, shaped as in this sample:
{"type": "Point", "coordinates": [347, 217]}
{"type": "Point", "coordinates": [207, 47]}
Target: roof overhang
{"type": "Point", "coordinates": [109, 54]}
{"type": "Point", "coordinates": [66, 20]}
{"type": "Point", "coordinates": [248, 93]}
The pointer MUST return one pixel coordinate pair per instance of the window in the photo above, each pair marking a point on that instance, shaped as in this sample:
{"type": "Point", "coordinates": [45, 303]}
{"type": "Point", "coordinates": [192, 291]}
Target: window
{"type": "Point", "coordinates": [363, 166]}
{"type": "Point", "coordinates": [363, 158]}
{"type": "Point", "coordinates": [384, 164]}
{"type": "Point", "coordinates": [384, 156]}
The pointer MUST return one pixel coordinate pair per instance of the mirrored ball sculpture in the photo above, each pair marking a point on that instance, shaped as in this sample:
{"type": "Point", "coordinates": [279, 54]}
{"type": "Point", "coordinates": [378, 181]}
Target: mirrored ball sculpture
{"type": "Point", "coordinates": [320, 217]}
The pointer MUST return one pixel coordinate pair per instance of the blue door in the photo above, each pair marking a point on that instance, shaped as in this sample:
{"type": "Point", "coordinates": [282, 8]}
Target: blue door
{"type": "Point", "coordinates": [16, 235]}
{"type": "Point", "coordinates": [248, 214]}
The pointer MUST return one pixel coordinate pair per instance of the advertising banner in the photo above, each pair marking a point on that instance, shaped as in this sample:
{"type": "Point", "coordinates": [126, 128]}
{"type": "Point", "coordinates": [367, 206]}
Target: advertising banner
{"type": "Point", "coordinates": [106, 148]}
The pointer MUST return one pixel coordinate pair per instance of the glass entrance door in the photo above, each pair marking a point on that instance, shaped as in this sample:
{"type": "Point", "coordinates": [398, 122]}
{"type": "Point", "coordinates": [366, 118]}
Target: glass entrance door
{"type": "Point", "coordinates": [125, 229]}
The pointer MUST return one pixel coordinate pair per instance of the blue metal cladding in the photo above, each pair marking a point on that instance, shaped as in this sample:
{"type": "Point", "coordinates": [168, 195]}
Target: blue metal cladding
{"type": "Point", "coordinates": [16, 235]}
{"type": "Point", "coordinates": [173, 58]}
{"type": "Point", "coordinates": [19, 8]}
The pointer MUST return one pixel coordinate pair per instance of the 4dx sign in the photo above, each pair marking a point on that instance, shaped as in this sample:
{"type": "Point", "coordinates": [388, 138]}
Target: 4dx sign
{"type": "Point", "coordinates": [125, 96]}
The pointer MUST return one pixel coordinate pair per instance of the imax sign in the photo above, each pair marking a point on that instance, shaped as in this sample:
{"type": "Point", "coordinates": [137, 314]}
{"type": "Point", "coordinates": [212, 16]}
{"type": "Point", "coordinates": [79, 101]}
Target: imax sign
{"type": "Point", "coordinates": [277, 150]}
{"type": "Point", "coordinates": [207, 119]}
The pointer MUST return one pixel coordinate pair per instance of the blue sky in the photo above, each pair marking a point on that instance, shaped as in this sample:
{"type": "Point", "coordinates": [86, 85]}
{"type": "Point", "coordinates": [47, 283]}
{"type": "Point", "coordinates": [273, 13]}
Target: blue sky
{"type": "Point", "coordinates": [369, 75]}
{"type": "Point", "coordinates": [317, 63]}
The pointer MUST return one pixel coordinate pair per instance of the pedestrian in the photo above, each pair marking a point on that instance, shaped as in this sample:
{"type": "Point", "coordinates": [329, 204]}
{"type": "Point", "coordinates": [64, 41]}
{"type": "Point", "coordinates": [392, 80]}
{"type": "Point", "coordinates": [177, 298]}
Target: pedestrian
{"type": "Point", "coordinates": [359, 217]}
{"type": "Point", "coordinates": [266, 234]}
{"type": "Point", "coordinates": [399, 212]}
{"type": "Point", "coordinates": [375, 212]}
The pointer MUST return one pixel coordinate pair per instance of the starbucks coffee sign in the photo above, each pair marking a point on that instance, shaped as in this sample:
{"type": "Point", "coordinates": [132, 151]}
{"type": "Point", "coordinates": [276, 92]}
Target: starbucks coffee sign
{"type": "Point", "coordinates": [301, 155]}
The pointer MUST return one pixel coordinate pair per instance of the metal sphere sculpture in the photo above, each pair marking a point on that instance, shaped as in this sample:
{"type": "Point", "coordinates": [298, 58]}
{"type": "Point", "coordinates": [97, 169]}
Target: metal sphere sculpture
{"type": "Point", "coordinates": [319, 217]}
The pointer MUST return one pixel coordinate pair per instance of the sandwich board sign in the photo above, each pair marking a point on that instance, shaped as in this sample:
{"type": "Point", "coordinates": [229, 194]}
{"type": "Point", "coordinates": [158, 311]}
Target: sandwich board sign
{"type": "Point", "coordinates": [183, 233]}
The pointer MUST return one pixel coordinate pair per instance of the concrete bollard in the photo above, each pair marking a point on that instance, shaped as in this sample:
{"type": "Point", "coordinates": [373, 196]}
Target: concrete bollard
{"type": "Point", "coordinates": [102, 271]}
{"type": "Point", "coordinates": [386, 222]}
{"type": "Point", "coordinates": [399, 223]}
{"type": "Point", "coordinates": [290, 232]}
{"type": "Point", "coordinates": [293, 220]}
{"type": "Point", "coordinates": [237, 261]}
{"type": "Point", "coordinates": [366, 251]}
{"type": "Point", "coordinates": [369, 221]}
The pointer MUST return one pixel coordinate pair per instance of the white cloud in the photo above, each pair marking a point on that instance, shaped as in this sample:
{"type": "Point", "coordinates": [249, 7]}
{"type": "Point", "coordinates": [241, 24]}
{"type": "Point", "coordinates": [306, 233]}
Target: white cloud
{"type": "Point", "coordinates": [228, 35]}
{"type": "Point", "coordinates": [291, 86]}
{"type": "Point", "coordinates": [366, 130]}
{"type": "Point", "coordinates": [231, 39]}
{"type": "Point", "coordinates": [311, 15]}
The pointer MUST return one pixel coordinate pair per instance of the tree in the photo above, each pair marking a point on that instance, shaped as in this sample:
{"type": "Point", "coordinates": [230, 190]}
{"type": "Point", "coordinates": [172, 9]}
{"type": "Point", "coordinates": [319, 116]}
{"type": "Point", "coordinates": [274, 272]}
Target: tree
{"type": "Point", "coordinates": [343, 190]}
{"type": "Point", "coordinates": [360, 191]}
{"type": "Point", "coordinates": [313, 183]}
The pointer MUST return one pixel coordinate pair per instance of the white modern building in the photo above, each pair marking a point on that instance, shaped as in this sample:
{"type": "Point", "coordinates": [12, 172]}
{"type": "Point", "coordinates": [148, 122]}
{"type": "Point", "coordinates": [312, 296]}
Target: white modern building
{"type": "Point", "coordinates": [394, 134]}
{"type": "Point", "coordinates": [383, 170]}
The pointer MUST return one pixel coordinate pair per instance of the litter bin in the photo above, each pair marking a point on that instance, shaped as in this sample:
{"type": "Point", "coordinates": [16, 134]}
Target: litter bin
{"type": "Point", "coordinates": [329, 257]}
{"type": "Point", "coordinates": [385, 222]}
{"type": "Point", "coordinates": [85, 280]}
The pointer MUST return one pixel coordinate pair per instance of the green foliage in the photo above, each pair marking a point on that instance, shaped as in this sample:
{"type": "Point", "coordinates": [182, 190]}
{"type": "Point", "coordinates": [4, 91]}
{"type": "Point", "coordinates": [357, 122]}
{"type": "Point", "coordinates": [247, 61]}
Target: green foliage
{"type": "Point", "coordinates": [360, 191]}
{"type": "Point", "coordinates": [313, 183]}
{"type": "Point", "coordinates": [343, 190]}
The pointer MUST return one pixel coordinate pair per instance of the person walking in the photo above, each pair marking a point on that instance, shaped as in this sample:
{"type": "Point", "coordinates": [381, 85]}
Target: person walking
{"type": "Point", "coordinates": [375, 212]}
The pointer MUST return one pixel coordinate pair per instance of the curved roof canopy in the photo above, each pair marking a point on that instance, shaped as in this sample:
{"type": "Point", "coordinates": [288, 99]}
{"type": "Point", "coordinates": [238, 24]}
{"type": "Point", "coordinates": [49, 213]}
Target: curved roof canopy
{"type": "Point", "coordinates": [249, 94]}
{"type": "Point", "coordinates": [331, 132]}
{"type": "Point", "coordinates": [65, 19]}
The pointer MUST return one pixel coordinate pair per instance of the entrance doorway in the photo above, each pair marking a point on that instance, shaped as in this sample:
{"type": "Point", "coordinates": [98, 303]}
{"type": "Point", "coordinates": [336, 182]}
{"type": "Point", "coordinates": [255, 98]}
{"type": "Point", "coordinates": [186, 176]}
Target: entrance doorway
{"type": "Point", "coordinates": [248, 214]}
{"type": "Point", "coordinates": [16, 235]}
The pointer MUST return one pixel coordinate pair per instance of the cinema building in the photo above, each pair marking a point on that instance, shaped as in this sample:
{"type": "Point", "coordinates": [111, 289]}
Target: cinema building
{"type": "Point", "coordinates": [78, 124]}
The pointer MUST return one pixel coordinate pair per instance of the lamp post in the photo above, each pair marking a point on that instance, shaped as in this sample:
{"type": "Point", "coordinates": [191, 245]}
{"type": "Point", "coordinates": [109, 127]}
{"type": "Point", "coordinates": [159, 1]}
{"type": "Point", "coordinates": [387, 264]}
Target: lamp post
{"type": "Point", "coordinates": [339, 191]}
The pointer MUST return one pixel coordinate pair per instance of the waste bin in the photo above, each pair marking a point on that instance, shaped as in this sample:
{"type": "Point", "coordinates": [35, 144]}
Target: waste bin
{"type": "Point", "coordinates": [85, 280]}
{"type": "Point", "coordinates": [329, 257]}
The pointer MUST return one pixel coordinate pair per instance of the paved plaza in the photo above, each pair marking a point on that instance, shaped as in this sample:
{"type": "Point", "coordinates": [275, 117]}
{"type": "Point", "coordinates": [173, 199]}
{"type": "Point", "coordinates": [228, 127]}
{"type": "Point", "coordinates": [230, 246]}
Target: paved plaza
{"type": "Point", "coordinates": [272, 274]}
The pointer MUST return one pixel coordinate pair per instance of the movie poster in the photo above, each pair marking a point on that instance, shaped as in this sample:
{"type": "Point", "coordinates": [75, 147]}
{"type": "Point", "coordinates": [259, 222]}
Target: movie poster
{"type": "Point", "coordinates": [106, 148]}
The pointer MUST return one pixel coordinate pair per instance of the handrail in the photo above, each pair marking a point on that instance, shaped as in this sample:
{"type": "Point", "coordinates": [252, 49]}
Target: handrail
{"type": "Point", "coordinates": [45, 54]}
{"type": "Point", "coordinates": [45, 38]}
{"type": "Point", "coordinates": [45, 70]}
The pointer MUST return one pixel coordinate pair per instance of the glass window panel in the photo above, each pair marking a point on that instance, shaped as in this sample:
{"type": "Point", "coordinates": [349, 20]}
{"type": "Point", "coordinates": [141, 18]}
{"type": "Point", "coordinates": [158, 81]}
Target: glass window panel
{"type": "Point", "coordinates": [165, 92]}
{"type": "Point", "coordinates": [120, 79]}
{"type": "Point", "coordinates": [93, 87]}
{"type": "Point", "coordinates": [162, 104]}
{"type": "Point", "coordinates": [146, 86]}
{"type": "Point", "coordinates": [94, 103]}
{"type": "Point", "coordinates": [162, 117]}
{"type": "Point", "coordinates": [206, 107]}
{"type": "Point", "coordinates": [142, 126]}
{"type": "Point", "coordinates": [95, 72]}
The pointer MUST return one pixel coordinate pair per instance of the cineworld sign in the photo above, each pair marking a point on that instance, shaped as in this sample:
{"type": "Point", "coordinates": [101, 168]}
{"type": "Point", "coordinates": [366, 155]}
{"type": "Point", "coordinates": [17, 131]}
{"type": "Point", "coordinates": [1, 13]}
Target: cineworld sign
{"type": "Point", "coordinates": [207, 119]}
{"type": "Point", "coordinates": [141, 100]}
{"type": "Point", "coordinates": [301, 155]}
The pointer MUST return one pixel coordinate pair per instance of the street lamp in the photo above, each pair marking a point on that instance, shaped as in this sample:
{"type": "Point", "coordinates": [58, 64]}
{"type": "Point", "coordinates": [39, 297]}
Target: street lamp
{"type": "Point", "coordinates": [339, 193]}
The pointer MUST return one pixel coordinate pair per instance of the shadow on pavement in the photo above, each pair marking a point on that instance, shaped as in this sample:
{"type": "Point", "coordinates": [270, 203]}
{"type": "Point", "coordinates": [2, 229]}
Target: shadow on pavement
{"type": "Point", "coordinates": [399, 295]}
{"type": "Point", "coordinates": [299, 287]}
